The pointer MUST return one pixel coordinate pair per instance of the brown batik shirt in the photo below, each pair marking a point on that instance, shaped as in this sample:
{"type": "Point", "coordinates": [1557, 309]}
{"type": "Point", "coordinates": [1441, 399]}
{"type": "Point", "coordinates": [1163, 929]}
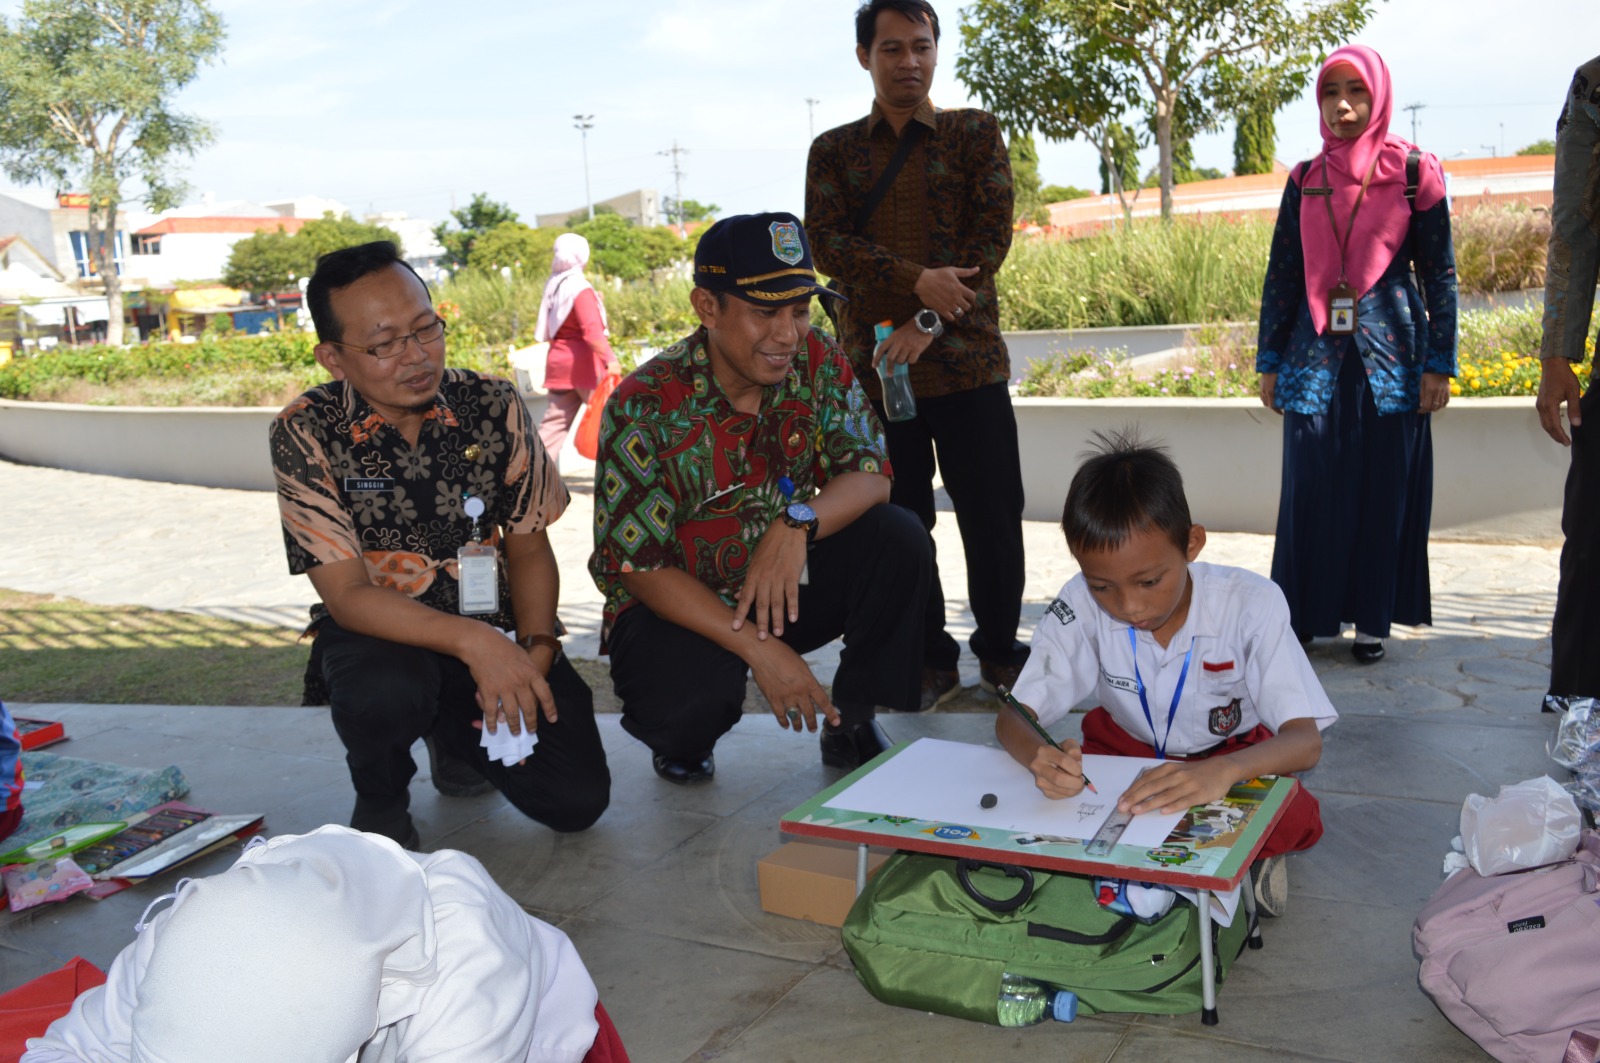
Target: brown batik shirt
{"type": "Point", "coordinates": [349, 485]}
{"type": "Point", "coordinates": [950, 205]}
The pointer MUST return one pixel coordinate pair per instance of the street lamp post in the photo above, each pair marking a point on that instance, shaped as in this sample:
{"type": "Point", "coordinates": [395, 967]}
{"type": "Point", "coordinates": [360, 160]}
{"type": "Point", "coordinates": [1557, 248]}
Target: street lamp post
{"type": "Point", "coordinates": [583, 123]}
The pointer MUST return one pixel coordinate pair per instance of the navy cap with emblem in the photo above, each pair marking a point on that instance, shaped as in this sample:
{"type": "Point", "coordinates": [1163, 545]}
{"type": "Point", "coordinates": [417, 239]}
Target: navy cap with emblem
{"type": "Point", "coordinates": [762, 258]}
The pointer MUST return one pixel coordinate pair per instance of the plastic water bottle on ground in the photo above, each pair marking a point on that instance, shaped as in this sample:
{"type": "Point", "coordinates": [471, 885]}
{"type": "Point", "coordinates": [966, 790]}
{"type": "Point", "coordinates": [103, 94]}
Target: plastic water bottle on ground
{"type": "Point", "coordinates": [899, 404]}
{"type": "Point", "coordinates": [1024, 1002]}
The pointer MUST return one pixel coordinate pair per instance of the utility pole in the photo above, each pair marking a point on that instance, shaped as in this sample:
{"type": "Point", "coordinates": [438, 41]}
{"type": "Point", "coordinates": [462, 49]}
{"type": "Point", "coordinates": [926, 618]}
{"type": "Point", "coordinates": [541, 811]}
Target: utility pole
{"type": "Point", "coordinates": [583, 123]}
{"type": "Point", "coordinates": [1413, 108]}
{"type": "Point", "coordinates": [811, 115]}
{"type": "Point", "coordinates": [677, 180]}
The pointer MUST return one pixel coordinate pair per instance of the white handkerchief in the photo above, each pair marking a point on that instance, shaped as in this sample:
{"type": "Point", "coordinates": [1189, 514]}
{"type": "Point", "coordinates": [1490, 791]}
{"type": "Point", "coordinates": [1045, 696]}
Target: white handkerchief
{"type": "Point", "coordinates": [506, 747]}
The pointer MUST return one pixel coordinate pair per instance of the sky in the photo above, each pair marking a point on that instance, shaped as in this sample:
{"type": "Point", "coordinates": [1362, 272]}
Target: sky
{"type": "Point", "coordinates": [414, 106]}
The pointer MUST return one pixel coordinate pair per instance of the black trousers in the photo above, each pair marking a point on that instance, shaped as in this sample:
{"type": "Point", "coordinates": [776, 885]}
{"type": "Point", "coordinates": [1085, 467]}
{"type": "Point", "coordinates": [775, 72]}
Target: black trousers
{"type": "Point", "coordinates": [386, 695]}
{"type": "Point", "coordinates": [1575, 638]}
{"type": "Point", "coordinates": [973, 437]}
{"type": "Point", "coordinates": [681, 692]}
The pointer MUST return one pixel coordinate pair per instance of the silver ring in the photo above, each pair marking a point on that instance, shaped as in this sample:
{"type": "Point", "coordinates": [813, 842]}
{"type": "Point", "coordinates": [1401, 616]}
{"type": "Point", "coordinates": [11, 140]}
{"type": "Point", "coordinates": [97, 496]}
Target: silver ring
{"type": "Point", "coordinates": [959, 311]}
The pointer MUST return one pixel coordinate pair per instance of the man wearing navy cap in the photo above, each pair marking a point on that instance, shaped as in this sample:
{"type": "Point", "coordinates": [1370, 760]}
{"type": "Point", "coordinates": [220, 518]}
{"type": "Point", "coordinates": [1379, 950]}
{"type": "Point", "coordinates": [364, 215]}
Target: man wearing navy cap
{"type": "Point", "coordinates": [742, 519]}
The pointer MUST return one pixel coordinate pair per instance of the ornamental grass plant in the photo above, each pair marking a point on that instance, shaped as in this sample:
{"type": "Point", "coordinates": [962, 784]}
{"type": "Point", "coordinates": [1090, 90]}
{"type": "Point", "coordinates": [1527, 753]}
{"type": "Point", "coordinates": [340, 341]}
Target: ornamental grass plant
{"type": "Point", "coordinates": [1201, 268]}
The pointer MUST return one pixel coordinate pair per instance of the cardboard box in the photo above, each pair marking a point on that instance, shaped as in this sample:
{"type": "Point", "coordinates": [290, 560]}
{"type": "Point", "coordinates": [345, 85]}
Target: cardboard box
{"type": "Point", "coordinates": [815, 881]}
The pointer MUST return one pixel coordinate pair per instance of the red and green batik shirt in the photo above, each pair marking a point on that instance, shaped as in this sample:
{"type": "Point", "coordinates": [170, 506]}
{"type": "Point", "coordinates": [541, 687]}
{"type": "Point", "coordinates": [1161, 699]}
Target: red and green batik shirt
{"type": "Point", "coordinates": [684, 480]}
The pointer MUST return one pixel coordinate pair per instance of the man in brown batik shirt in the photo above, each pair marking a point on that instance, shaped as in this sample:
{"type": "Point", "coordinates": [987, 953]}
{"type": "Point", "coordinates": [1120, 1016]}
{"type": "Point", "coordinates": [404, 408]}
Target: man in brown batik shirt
{"type": "Point", "coordinates": [925, 261]}
{"type": "Point", "coordinates": [383, 475]}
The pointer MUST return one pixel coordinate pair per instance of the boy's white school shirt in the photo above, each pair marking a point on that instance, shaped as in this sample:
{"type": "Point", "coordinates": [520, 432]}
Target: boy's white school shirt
{"type": "Point", "coordinates": [1246, 666]}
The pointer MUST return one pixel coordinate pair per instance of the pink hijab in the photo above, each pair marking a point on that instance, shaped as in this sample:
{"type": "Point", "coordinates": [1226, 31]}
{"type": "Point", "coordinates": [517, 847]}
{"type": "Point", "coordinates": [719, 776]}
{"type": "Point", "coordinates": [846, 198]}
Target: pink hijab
{"type": "Point", "coordinates": [1385, 216]}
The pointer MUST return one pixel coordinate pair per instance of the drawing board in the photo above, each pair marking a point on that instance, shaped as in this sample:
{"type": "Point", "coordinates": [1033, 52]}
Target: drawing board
{"type": "Point", "coordinates": [944, 781]}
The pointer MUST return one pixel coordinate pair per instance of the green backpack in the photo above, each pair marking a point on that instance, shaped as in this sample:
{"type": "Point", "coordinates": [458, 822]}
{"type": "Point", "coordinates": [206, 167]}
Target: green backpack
{"type": "Point", "coordinates": [922, 938]}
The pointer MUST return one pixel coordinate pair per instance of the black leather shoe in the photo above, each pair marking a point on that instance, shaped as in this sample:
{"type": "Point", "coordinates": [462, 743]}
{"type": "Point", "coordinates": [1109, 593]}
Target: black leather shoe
{"type": "Point", "coordinates": [694, 769]}
{"type": "Point", "coordinates": [454, 777]}
{"type": "Point", "coordinates": [851, 747]}
{"type": "Point", "coordinates": [1367, 652]}
{"type": "Point", "coordinates": [938, 685]}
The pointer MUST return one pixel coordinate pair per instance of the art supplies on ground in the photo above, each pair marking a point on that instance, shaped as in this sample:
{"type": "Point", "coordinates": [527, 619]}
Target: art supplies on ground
{"type": "Point", "coordinates": [43, 881]}
{"type": "Point", "coordinates": [159, 840]}
{"type": "Point", "coordinates": [36, 734]}
{"type": "Point", "coordinates": [116, 855]}
{"type": "Point", "coordinates": [62, 842]}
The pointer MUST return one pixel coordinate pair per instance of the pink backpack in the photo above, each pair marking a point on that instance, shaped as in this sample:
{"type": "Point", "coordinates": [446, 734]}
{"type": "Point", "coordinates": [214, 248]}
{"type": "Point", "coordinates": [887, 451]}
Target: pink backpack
{"type": "Point", "coordinates": [1514, 960]}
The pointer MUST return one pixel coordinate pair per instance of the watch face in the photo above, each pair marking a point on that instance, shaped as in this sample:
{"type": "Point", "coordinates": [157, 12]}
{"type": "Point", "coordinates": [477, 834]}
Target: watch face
{"type": "Point", "coordinates": [802, 512]}
{"type": "Point", "coordinates": [927, 320]}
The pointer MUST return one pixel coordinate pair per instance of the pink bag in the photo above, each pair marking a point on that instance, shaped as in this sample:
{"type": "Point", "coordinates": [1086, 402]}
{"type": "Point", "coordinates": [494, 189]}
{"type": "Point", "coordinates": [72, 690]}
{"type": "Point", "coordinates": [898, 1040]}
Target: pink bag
{"type": "Point", "coordinates": [1512, 959]}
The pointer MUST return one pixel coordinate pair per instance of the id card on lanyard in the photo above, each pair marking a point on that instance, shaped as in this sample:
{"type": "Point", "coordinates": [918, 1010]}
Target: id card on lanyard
{"type": "Point", "coordinates": [1342, 297]}
{"type": "Point", "coordinates": [479, 566]}
{"type": "Point", "coordinates": [1159, 743]}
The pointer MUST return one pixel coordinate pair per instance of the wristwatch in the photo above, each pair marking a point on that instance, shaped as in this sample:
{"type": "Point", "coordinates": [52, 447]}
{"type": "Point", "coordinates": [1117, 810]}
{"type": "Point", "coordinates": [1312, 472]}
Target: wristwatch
{"type": "Point", "coordinates": [928, 322]}
{"type": "Point", "coordinates": [528, 642]}
{"type": "Point", "coordinates": [800, 515]}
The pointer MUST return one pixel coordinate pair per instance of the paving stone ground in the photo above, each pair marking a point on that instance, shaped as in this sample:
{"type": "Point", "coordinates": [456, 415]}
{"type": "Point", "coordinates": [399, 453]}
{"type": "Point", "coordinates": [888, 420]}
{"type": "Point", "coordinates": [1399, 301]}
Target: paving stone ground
{"type": "Point", "coordinates": [661, 895]}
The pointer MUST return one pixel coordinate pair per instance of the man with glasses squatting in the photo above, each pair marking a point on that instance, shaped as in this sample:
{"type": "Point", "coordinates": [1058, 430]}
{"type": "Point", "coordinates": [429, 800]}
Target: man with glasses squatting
{"type": "Point", "coordinates": [416, 498]}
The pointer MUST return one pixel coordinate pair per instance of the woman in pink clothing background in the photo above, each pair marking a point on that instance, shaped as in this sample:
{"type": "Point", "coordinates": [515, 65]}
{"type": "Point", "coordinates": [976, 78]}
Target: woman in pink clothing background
{"type": "Point", "coordinates": [572, 319]}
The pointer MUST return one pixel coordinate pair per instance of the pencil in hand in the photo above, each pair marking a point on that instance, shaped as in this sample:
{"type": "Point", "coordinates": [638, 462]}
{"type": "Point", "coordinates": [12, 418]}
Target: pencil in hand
{"type": "Point", "coordinates": [1005, 695]}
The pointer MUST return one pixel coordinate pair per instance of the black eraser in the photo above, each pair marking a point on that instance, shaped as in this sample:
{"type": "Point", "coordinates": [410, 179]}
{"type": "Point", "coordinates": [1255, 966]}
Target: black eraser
{"type": "Point", "coordinates": [989, 801]}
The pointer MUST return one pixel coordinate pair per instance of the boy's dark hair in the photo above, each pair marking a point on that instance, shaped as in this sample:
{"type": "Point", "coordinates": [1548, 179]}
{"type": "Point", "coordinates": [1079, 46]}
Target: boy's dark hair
{"type": "Point", "coordinates": [340, 269]}
{"type": "Point", "coordinates": [915, 10]}
{"type": "Point", "coordinates": [1124, 486]}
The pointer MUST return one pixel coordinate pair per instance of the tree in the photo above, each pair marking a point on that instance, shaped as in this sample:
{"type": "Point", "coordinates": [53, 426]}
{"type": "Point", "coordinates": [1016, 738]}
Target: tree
{"type": "Point", "coordinates": [86, 94]}
{"type": "Point", "coordinates": [621, 249]}
{"type": "Point", "coordinates": [1066, 67]}
{"type": "Point", "coordinates": [331, 233]}
{"type": "Point", "coordinates": [1028, 204]}
{"type": "Point", "coordinates": [1539, 147]}
{"type": "Point", "coordinates": [269, 262]}
{"type": "Point", "coordinates": [1255, 138]}
{"type": "Point", "coordinates": [1062, 193]}
{"type": "Point", "coordinates": [516, 246]}
{"type": "Point", "coordinates": [1119, 158]}
{"type": "Point", "coordinates": [693, 210]}
{"type": "Point", "coordinates": [265, 263]}
{"type": "Point", "coordinates": [472, 221]}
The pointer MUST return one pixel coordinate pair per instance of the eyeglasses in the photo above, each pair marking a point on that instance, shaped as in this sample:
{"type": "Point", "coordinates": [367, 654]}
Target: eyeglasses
{"type": "Point", "coordinates": [430, 333]}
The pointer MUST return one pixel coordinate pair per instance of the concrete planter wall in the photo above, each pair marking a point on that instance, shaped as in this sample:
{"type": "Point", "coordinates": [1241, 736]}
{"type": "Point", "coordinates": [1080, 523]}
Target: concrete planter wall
{"type": "Point", "coordinates": [1496, 474]}
{"type": "Point", "coordinates": [205, 446]}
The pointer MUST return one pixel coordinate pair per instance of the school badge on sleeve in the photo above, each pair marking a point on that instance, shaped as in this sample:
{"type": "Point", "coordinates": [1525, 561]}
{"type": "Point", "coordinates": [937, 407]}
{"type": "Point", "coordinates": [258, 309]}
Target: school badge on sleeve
{"type": "Point", "coordinates": [786, 242]}
{"type": "Point", "coordinates": [1225, 719]}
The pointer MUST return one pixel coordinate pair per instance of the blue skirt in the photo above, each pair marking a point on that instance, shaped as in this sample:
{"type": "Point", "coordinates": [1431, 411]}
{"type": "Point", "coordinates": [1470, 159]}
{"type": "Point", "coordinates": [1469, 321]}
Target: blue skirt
{"type": "Point", "coordinates": [1353, 513]}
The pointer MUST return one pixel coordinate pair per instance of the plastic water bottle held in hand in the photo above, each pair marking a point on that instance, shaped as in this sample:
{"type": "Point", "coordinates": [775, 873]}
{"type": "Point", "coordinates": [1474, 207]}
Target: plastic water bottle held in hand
{"type": "Point", "coordinates": [1024, 1002]}
{"type": "Point", "coordinates": [899, 404]}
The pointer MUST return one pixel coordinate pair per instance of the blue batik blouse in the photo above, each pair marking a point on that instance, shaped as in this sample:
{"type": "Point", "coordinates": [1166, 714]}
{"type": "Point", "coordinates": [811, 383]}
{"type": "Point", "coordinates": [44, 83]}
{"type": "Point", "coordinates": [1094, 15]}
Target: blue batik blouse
{"type": "Point", "coordinates": [1399, 335]}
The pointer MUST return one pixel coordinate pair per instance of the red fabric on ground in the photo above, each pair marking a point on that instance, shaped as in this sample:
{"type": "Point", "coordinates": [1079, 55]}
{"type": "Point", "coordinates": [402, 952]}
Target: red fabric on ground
{"type": "Point", "coordinates": [1301, 823]}
{"type": "Point", "coordinates": [607, 1046]}
{"type": "Point", "coordinates": [9, 821]}
{"type": "Point", "coordinates": [28, 1010]}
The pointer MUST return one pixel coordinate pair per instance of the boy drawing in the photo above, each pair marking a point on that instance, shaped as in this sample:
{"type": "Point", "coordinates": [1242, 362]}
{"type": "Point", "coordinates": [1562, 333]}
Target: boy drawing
{"type": "Point", "coordinates": [1192, 663]}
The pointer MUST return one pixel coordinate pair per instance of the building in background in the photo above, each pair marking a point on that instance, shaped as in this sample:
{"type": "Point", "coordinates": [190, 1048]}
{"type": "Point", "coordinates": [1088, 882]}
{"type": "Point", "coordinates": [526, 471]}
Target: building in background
{"type": "Point", "coordinates": [642, 207]}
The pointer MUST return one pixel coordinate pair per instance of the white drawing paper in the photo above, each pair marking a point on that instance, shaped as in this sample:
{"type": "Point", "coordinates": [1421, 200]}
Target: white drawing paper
{"type": "Point", "coordinates": [944, 781]}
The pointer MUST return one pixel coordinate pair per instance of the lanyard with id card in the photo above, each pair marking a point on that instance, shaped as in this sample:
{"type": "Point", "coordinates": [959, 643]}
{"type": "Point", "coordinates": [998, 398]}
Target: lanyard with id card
{"type": "Point", "coordinates": [1342, 297]}
{"type": "Point", "coordinates": [479, 565]}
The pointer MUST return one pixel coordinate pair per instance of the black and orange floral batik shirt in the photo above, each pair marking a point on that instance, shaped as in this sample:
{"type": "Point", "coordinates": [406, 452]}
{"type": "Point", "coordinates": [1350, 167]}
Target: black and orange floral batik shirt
{"type": "Point", "coordinates": [684, 480]}
{"type": "Point", "coordinates": [349, 485]}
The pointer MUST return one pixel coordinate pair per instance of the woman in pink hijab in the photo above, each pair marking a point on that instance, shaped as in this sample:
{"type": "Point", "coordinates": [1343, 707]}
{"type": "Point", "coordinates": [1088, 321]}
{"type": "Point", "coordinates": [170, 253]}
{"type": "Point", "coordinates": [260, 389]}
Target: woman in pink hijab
{"type": "Point", "coordinates": [573, 321]}
{"type": "Point", "coordinates": [1356, 350]}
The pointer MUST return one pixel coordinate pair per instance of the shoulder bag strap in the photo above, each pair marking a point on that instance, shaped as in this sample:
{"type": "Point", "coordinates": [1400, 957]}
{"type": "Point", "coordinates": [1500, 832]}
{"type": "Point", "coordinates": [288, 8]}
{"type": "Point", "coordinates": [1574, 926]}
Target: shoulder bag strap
{"type": "Point", "coordinates": [1413, 173]}
{"type": "Point", "coordinates": [908, 140]}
